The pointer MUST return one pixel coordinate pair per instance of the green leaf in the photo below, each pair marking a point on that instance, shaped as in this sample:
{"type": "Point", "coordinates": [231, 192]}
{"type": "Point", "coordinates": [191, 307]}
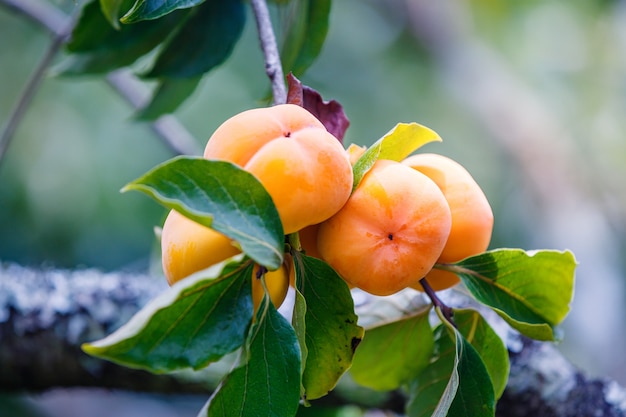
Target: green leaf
{"type": "Point", "coordinates": [393, 353]}
{"type": "Point", "coordinates": [305, 35]}
{"type": "Point", "coordinates": [331, 334]}
{"type": "Point", "coordinates": [97, 47]}
{"type": "Point", "coordinates": [111, 10]}
{"type": "Point", "coordinates": [396, 145]}
{"type": "Point", "coordinates": [204, 42]}
{"type": "Point", "coordinates": [170, 94]}
{"type": "Point", "coordinates": [298, 321]}
{"type": "Point", "coordinates": [267, 380]}
{"type": "Point", "coordinates": [153, 9]}
{"type": "Point", "coordinates": [455, 384]}
{"type": "Point", "coordinates": [193, 323]}
{"type": "Point", "coordinates": [220, 195]}
{"type": "Point", "coordinates": [530, 290]}
{"type": "Point", "coordinates": [488, 344]}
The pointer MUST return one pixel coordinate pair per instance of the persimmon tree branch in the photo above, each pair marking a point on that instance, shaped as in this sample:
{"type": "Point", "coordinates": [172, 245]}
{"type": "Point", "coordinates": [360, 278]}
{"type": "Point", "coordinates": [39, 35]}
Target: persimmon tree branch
{"type": "Point", "coordinates": [45, 315]}
{"type": "Point", "coordinates": [273, 66]}
{"type": "Point", "coordinates": [167, 127]}
{"type": "Point", "coordinates": [62, 31]}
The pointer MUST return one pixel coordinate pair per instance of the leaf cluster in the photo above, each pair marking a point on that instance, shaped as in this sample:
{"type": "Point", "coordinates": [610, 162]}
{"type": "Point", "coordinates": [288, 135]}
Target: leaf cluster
{"type": "Point", "coordinates": [445, 366]}
{"type": "Point", "coordinates": [177, 42]}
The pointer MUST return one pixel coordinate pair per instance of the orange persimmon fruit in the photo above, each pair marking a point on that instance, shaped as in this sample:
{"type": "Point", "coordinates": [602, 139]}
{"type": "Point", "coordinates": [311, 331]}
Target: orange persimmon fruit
{"type": "Point", "coordinates": [472, 217]}
{"type": "Point", "coordinates": [390, 232]}
{"type": "Point", "coordinates": [303, 167]}
{"type": "Point", "coordinates": [188, 247]}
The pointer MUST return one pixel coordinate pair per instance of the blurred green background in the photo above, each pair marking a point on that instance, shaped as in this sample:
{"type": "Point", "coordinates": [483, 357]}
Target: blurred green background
{"type": "Point", "coordinates": [529, 96]}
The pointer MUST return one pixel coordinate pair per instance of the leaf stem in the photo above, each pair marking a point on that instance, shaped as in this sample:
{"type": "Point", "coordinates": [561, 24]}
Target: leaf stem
{"type": "Point", "coordinates": [437, 302]}
{"type": "Point", "coordinates": [273, 66]}
{"type": "Point", "coordinates": [294, 241]}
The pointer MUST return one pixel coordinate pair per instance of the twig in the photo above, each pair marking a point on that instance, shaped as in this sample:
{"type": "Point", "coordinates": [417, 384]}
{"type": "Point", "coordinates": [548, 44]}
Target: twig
{"type": "Point", "coordinates": [174, 135]}
{"type": "Point", "coordinates": [437, 302]}
{"type": "Point", "coordinates": [168, 128]}
{"type": "Point", "coordinates": [62, 32]}
{"type": "Point", "coordinates": [273, 66]}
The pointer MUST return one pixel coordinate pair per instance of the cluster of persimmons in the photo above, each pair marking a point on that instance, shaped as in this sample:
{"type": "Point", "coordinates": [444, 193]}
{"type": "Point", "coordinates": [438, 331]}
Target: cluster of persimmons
{"type": "Point", "coordinates": [383, 236]}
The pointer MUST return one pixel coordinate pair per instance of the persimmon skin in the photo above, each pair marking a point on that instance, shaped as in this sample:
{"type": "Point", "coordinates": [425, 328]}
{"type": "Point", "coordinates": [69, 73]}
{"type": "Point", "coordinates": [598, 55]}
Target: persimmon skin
{"type": "Point", "coordinates": [472, 217]}
{"type": "Point", "coordinates": [302, 166]}
{"type": "Point", "coordinates": [390, 232]}
{"type": "Point", "coordinates": [188, 247]}
{"type": "Point", "coordinates": [277, 283]}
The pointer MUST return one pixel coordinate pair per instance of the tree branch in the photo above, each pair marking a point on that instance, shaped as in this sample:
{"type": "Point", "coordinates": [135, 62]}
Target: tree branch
{"type": "Point", "coordinates": [273, 66]}
{"type": "Point", "coordinates": [167, 127]}
{"type": "Point", "coordinates": [45, 315]}
{"type": "Point", "coordinates": [59, 38]}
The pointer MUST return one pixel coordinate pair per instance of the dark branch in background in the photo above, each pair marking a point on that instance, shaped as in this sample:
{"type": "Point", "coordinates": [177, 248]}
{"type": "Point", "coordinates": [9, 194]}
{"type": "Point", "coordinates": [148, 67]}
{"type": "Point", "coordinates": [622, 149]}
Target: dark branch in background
{"type": "Point", "coordinates": [167, 127]}
{"type": "Point", "coordinates": [273, 66]}
{"type": "Point", "coordinates": [45, 315]}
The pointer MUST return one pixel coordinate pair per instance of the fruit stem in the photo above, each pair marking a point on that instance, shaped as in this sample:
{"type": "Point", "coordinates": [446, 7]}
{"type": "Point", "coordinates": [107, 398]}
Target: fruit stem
{"type": "Point", "coordinates": [447, 312]}
{"type": "Point", "coordinates": [294, 241]}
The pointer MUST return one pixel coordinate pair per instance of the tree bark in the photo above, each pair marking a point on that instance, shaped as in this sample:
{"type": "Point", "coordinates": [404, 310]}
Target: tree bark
{"type": "Point", "coordinates": [46, 314]}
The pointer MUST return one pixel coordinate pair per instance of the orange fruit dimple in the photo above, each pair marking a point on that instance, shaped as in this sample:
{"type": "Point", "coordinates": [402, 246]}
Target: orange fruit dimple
{"type": "Point", "coordinates": [472, 217]}
{"type": "Point", "coordinates": [303, 167]}
{"type": "Point", "coordinates": [390, 232]}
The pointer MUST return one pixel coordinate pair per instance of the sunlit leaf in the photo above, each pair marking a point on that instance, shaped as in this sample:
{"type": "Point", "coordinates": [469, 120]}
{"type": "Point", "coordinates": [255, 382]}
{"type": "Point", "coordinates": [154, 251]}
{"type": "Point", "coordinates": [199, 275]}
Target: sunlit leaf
{"type": "Point", "coordinates": [204, 42]}
{"type": "Point", "coordinates": [222, 196]}
{"type": "Point", "coordinates": [456, 383]}
{"type": "Point", "coordinates": [267, 380]}
{"type": "Point", "coordinates": [193, 323]}
{"type": "Point", "coordinates": [393, 353]}
{"type": "Point", "coordinates": [152, 9]}
{"type": "Point", "coordinates": [331, 334]}
{"type": "Point", "coordinates": [400, 142]}
{"type": "Point", "coordinates": [488, 344]}
{"type": "Point", "coordinates": [170, 94]}
{"type": "Point", "coordinates": [530, 290]}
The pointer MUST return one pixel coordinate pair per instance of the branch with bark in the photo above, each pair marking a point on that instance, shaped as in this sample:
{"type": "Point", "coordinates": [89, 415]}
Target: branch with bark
{"type": "Point", "coordinates": [46, 314]}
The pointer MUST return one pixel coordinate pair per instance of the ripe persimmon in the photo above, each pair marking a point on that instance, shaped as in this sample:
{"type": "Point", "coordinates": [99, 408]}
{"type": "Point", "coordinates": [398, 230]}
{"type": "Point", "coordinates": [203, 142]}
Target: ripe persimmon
{"type": "Point", "coordinates": [472, 217]}
{"type": "Point", "coordinates": [302, 166]}
{"type": "Point", "coordinates": [390, 232]}
{"type": "Point", "coordinates": [188, 247]}
{"type": "Point", "coordinates": [277, 283]}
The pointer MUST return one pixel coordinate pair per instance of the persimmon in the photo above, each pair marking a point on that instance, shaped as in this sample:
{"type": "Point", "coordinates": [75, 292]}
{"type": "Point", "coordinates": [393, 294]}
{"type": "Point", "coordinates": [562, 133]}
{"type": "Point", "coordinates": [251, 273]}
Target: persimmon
{"type": "Point", "coordinates": [308, 240]}
{"type": "Point", "coordinates": [302, 166]}
{"type": "Point", "coordinates": [472, 217]}
{"type": "Point", "coordinates": [188, 247]}
{"type": "Point", "coordinates": [390, 232]}
{"type": "Point", "coordinates": [277, 283]}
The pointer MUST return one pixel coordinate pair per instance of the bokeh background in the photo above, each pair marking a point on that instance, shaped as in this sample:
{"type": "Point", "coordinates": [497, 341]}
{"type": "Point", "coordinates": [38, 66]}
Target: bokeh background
{"type": "Point", "coordinates": [529, 96]}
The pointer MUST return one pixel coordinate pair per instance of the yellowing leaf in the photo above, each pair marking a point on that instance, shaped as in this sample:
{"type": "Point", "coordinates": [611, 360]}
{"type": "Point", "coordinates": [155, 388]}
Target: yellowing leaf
{"type": "Point", "coordinates": [397, 144]}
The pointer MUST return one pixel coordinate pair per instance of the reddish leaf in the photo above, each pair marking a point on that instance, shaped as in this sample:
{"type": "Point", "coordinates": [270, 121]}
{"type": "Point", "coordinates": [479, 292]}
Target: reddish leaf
{"type": "Point", "coordinates": [330, 113]}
